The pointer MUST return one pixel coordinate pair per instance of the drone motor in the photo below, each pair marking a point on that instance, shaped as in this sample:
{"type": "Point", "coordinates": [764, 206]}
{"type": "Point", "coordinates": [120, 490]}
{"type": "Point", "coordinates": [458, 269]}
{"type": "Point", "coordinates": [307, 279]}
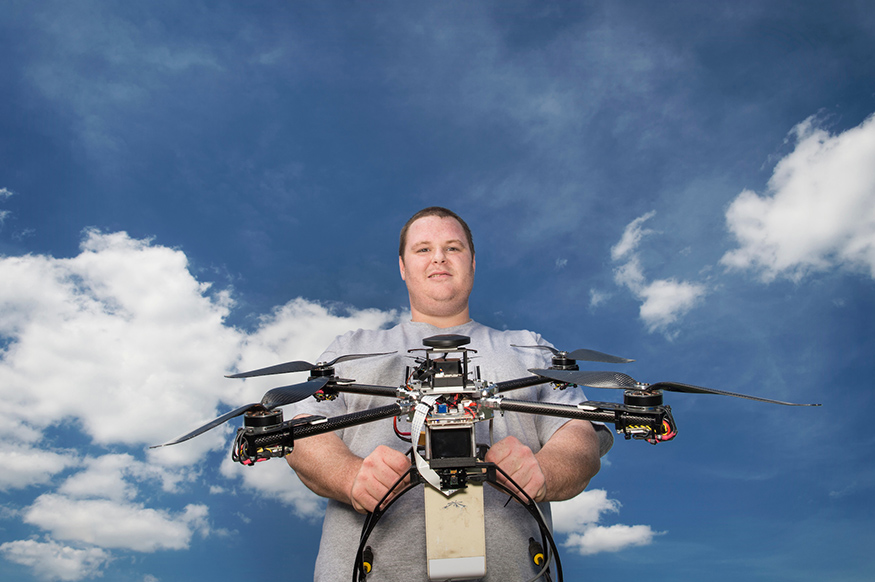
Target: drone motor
{"type": "Point", "coordinates": [642, 399]}
{"type": "Point", "coordinates": [262, 419]}
{"type": "Point", "coordinates": [258, 423]}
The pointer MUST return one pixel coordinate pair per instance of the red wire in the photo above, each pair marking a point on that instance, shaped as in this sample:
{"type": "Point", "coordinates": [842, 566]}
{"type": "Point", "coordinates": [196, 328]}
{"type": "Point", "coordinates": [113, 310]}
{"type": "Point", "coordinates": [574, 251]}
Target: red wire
{"type": "Point", "coordinates": [397, 431]}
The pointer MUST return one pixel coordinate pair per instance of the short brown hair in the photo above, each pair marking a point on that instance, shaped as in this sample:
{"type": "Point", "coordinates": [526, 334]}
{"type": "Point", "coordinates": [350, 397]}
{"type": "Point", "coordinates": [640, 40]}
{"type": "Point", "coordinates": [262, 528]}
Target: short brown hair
{"type": "Point", "coordinates": [441, 212]}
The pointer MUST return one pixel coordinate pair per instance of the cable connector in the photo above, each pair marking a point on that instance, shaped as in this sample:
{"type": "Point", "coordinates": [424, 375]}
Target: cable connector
{"type": "Point", "coordinates": [536, 552]}
{"type": "Point", "coordinates": [368, 560]}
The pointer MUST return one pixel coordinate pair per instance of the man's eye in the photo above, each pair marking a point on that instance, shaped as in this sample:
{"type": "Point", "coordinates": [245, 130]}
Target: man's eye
{"type": "Point", "coordinates": [422, 250]}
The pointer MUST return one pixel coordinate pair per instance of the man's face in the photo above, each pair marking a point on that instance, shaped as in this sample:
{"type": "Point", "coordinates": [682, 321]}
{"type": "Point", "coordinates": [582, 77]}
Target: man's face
{"type": "Point", "coordinates": [437, 266]}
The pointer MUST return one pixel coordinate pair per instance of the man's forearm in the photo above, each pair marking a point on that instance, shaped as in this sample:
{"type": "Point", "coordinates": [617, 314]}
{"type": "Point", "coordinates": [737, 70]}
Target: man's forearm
{"type": "Point", "coordinates": [325, 465]}
{"type": "Point", "coordinates": [569, 460]}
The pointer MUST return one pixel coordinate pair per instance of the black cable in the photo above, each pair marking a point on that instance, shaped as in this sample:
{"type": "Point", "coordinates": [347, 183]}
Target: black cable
{"type": "Point", "coordinates": [371, 522]}
{"type": "Point", "coordinates": [359, 574]}
{"type": "Point", "coordinates": [373, 517]}
{"type": "Point", "coordinates": [534, 510]}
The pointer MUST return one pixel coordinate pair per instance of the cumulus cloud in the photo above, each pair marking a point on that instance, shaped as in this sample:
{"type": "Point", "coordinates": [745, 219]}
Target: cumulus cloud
{"type": "Point", "coordinates": [275, 479]}
{"type": "Point", "coordinates": [115, 477]}
{"type": "Point", "coordinates": [50, 560]}
{"type": "Point", "coordinates": [108, 524]}
{"type": "Point", "coordinates": [125, 341]}
{"type": "Point", "coordinates": [663, 301]}
{"type": "Point", "coordinates": [122, 346]}
{"type": "Point", "coordinates": [818, 212]}
{"type": "Point", "coordinates": [578, 519]}
{"type": "Point", "coordinates": [120, 338]}
{"type": "Point", "coordinates": [24, 466]}
{"type": "Point", "coordinates": [612, 538]}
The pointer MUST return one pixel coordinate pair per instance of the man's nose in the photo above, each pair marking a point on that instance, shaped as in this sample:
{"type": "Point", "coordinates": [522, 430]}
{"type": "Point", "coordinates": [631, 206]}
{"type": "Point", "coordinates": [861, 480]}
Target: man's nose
{"type": "Point", "coordinates": [439, 256]}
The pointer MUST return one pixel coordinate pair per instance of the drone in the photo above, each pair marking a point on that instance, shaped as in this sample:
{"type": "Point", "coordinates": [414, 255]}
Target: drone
{"type": "Point", "coordinates": [444, 398]}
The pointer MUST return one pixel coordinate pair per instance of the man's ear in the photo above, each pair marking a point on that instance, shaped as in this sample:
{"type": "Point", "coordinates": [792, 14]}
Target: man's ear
{"type": "Point", "coordinates": [401, 267]}
{"type": "Point", "coordinates": [474, 263]}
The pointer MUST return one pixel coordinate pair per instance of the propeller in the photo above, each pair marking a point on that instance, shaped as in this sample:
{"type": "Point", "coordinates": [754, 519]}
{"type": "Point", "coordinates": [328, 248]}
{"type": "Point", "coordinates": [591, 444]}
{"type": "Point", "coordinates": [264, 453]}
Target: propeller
{"type": "Point", "coordinates": [300, 366]}
{"type": "Point", "coordinates": [624, 382]}
{"type": "Point", "coordinates": [585, 355]}
{"type": "Point", "coordinates": [272, 399]}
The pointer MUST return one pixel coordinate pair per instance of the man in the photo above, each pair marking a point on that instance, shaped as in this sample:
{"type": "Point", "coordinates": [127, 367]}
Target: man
{"type": "Point", "coordinates": [550, 458]}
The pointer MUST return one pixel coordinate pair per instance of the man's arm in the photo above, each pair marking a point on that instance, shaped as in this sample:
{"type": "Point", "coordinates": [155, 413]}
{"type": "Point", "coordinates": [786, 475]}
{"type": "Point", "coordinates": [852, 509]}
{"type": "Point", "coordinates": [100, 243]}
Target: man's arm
{"type": "Point", "coordinates": [328, 468]}
{"type": "Point", "coordinates": [560, 470]}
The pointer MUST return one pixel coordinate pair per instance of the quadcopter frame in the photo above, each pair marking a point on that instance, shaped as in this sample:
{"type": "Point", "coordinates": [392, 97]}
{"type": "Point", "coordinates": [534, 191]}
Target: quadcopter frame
{"type": "Point", "coordinates": [444, 403]}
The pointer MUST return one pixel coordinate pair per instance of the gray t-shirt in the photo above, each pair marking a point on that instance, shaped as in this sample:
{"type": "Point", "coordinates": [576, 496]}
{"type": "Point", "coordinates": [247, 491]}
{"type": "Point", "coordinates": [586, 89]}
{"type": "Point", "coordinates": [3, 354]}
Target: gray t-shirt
{"type": "Point", "coordinates": [398, 541]}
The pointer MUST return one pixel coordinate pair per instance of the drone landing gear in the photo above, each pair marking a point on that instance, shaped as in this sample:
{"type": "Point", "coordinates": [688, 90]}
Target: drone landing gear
{"type": "Point", "coordinates": [478, 474]}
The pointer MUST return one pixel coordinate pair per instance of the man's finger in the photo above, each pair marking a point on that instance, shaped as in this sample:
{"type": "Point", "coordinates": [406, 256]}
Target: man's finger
{"type": "Point", "coordinates": [379, 471]}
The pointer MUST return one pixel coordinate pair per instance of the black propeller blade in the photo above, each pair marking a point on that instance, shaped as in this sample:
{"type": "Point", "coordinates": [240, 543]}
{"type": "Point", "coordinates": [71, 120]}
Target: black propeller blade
{"type": "Point", "coordinates": [624, 382]}
{"type": "Point", "coordinates": [272, 399]}
{"type": "Point", "coordinates": [283, 395]}
{"type": "Point", "coordinates": [300, 366]}
{"type": "Point", "coordinates": [585, 355]}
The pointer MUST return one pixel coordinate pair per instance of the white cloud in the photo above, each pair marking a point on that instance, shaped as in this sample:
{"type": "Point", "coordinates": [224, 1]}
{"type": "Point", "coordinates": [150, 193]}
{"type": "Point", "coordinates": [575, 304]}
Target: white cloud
{"type": "Point", "coordinates": [632, 235]}
{"type": "Point", "coordinates": [123, 344]}
{"type": "Point", "coordinates": [612, 538]}
{"type": "Point", "coordinates": [115, 477]}
{"type": "Point", "coordinates": [819, 211]}
{"type": "Point", "coordinates": [666, 300]}
{"type": "Point", "coordinates": [24, 466]}
{"type": "Point", "coordinates": [585, 509]}
{"type": "Point", "coordinates": [124, 340]}
{"type": "Point", "coordinates": [303, 328]}
{"type": "Point", "coordinates": [663, 301]}
{"type": "Point", "coordinates": [121, 338]}
{"type": "Point", "coordinates": [112, 525]}
{"type": "Point", "coordinates": [4, 214]}
{"type": "Point", "coordinates": [274, 479]}
{"type": "Point", "coordinates": [597, 297]}
{"type": "Point", "coordinates": [53, 561]}
{"type": "Point", "coordinates": [578, 519]}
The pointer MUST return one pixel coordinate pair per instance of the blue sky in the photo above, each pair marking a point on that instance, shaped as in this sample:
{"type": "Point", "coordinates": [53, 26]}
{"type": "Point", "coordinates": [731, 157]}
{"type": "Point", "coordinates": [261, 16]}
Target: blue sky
{"type": "Point", "coordinates": [189, 189]}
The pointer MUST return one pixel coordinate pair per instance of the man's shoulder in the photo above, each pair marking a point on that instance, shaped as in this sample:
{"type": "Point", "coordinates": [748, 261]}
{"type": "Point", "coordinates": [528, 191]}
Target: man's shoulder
{"type": "Point", "coordinates": [509, 336]}
{"type": "Point", "coordinates": [365, 338]}
{"type": "Point", "coordinates": [365, 334]}
{"type": "Point", "coordinates": [409, 335]}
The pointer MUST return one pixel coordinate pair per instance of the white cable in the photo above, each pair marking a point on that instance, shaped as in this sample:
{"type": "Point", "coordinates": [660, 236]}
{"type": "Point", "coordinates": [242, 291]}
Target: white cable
{"type": "Point", "coordinates": [422, 409]}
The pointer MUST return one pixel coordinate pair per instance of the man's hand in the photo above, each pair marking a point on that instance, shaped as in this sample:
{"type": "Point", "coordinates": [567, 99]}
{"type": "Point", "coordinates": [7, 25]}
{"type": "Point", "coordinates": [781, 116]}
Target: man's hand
{"type": "Point", "coordinates": [376, 475]}
{"type": "Point", "coordinates": [518, 461]}
{"type": "Point", "coordinates": [328, 468]}
{"type": "Point", "coordinates": [560, 470]}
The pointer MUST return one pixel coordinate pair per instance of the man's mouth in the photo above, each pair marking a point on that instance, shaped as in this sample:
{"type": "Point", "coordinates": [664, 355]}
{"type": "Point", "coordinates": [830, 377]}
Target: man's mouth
{"type": "Point", "coordinates": [439, 275]}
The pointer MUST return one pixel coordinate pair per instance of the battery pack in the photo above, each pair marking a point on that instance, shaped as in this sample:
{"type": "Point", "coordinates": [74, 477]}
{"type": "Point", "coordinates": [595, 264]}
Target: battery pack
{"type": "Point", "coordinates": [455, 534]}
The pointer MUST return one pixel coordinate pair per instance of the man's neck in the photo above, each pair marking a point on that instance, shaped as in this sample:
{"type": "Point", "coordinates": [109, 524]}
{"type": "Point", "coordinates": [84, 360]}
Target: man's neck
{"type": "Point", "coordinates": [440, 321]}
